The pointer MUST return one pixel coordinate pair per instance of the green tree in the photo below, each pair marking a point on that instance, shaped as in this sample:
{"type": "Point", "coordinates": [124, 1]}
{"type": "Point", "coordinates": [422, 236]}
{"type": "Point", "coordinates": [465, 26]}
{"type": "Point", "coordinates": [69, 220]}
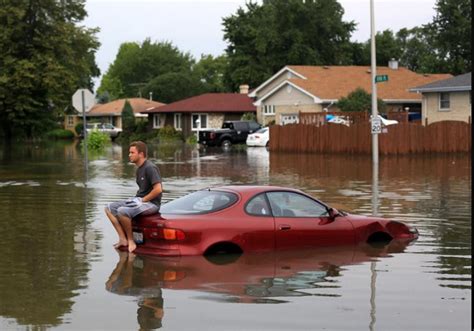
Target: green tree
{"type": "Point", "coordinates": [418, 52]}
{"type": "Point", "coordinates": [173, 86]}
{"type": "Point", "coordinates": [137, 64]}
{"type": "Point", "coordinates": [45, 57]}
{"type": "Point", "coordinates": [264, 38]}
{"type": "Point", "coordinates": [359, 100]}
{"type": "Point", "coordinates": [128, 119]}
{"type": "Point", "coordinates": [451, 32]}
{"type": "Point", "coordinates": [210, 72]}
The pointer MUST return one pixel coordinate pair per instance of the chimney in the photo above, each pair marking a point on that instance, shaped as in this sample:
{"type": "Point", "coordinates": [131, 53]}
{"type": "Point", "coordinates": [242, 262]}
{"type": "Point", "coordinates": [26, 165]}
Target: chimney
{"type": "Point", "coordinates": [393, 64]}
{"type": "Point", "coordinates": [244, 89]}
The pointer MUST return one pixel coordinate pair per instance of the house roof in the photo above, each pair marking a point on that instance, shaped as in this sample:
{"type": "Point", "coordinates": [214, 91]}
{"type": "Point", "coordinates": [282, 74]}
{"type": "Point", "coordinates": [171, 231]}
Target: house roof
{"type": "Point", "coordinates": [330, 83]}
{"type": "Point", "coordinates": [114, 108]}
{"type": "Point", "coordinates": [209, 103]}
{"type": "Point", "coordinates": [457, 83]}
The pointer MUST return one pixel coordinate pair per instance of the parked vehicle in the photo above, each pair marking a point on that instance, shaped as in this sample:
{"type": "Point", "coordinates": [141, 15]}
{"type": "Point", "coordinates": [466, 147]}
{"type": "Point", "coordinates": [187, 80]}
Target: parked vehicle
{"type": "Point", "coordinates": [260, 138]}
{"type": "Point", "coordinates": [232, 132]}
{"type": "Point", "coordinates": [241, 219]}
{"type": "Point", "coordinates": [108, 128]}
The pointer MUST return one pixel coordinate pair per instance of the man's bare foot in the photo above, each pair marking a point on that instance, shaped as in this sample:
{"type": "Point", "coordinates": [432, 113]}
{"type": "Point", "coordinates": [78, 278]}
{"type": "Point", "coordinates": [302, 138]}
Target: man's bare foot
{"type": "Point", "coordinates": [131, 246]}
{"type": "Point", "coordinates": [121, 242]}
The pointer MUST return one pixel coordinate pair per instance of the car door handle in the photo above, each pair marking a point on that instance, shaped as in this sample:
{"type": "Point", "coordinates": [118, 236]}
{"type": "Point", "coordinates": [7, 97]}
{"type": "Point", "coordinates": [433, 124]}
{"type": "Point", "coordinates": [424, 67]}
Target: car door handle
{"type": "Point", "coordinates": [285, 227]}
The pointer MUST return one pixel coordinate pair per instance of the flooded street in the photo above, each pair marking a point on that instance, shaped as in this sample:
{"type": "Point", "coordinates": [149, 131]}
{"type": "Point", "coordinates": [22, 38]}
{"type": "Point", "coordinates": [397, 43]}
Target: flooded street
{"type": "Point", "coordinates": [58, 269]}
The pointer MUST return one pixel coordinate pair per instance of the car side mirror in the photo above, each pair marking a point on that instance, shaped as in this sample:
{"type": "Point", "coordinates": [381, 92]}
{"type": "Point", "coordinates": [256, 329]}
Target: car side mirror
{"type": "Point", "coordinates": [333, 213]}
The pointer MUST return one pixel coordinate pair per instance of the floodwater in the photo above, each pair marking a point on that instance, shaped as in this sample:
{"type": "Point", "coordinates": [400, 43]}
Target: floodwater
{"type": "Point", "coordinates": [58, 269]}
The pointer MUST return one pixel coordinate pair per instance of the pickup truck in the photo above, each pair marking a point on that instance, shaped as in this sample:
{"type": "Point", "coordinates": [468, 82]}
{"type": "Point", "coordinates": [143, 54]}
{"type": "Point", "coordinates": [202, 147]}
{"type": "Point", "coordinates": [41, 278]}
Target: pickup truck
{"type": "Point", "coordinates": [232, 132]}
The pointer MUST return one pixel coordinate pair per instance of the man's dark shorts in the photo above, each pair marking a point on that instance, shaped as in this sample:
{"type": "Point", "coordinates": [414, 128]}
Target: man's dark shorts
{"type": "Point", "coordinates": [121, 208]}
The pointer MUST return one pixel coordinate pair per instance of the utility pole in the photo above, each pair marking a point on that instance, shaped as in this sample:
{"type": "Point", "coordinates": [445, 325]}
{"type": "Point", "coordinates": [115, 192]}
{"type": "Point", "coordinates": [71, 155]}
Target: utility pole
{"type": "Point", "coordinates": [375, 122]}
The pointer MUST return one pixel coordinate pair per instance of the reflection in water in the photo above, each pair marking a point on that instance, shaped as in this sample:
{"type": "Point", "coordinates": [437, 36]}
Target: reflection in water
{"type": "Point", "coordinates": [45, 244]}
{"type": "Point", "coordinates": [248, 278]}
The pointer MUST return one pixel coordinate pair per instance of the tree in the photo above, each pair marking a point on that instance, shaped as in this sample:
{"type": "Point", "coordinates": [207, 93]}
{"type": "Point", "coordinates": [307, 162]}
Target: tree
{"type": "Point", "coordinates": [264, 38]}
{"type": "Point", "coordinates": [451, 33]}
{"type": "Point", "coordinates": [137, 64]}
{"type": "Point", "coordinates": [359, 100]}
{"type": "Point", "coordinates": [173, 86]}
{"type": "Point", "coordinates": [128, 119]}
{"type": "Point", "coordinates": [210, 72]}
{"type": "Point", "coordinates": [45, 57]}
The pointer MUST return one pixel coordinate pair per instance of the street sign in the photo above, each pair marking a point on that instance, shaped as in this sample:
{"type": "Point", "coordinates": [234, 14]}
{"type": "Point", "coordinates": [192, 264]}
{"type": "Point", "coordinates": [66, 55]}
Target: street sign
{"type": "Point", "coordinates": [376, 126]}
{"type": "Point", "coordinates": [381, 78]}
{"type": "Point", "coordinates": [83, 99]}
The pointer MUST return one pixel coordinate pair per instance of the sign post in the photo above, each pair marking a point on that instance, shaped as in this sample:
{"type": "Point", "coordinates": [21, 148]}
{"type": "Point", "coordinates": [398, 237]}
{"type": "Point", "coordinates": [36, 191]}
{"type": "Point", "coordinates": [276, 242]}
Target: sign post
{"type": "Point", "coordinates": [83, 100]}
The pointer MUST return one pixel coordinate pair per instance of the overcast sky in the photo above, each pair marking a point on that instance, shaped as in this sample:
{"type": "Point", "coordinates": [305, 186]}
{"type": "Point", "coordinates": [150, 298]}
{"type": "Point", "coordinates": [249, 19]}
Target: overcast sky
{"type": "Point", "coordinates": [196, 26]}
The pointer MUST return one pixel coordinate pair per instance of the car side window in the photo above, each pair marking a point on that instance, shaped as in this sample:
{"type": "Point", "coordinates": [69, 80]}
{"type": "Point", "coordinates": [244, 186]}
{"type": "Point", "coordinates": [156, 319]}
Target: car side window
{"type": "Point", "coordinates": [254, 126]}
{"type": "Point", "coordinates": [291, 204]}
{"type": "Point", "coordinates": [258, 206]}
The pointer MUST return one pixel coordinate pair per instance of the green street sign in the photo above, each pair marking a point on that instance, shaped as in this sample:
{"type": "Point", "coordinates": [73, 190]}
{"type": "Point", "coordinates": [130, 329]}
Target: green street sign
{"type": "Point", "coordinates": [381, 78]}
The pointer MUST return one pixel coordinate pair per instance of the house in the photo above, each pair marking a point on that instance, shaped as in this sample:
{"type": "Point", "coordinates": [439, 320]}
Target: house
{"type": "Point", "coordinates": [111, 112]}
{"type": "Point", "coordinates": [296, 89]}
{"type": "Point", "coordinates": [204, 111]}
{"type": "Point", "coordinates": [447, 99]}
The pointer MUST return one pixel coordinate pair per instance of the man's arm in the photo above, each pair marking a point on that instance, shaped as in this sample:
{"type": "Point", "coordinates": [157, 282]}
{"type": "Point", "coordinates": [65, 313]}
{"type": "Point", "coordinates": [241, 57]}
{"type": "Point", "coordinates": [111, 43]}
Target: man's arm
{"type": "Point", "coordinates": [155, 192]}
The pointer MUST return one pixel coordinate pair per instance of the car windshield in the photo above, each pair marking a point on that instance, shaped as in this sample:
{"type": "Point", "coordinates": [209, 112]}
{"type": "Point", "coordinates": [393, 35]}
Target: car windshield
{"type": "Point", "coordinates": [200, 202]}
{"type": "Point", "coordinates": [262, 130]}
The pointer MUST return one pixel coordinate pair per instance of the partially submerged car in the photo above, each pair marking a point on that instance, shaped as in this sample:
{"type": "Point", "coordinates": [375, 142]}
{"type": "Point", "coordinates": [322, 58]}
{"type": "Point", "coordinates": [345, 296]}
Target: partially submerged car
{"type": "Point", "coordinates": [261, 138]}
{"type": "Point", "coordinates": [241, 219]}
{"type": "Point", "coordinates": [106, 128]}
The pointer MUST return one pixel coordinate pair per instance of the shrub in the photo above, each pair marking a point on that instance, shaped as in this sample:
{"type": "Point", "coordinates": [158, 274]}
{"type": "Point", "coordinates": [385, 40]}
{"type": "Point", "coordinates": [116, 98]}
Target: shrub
{"type": "Point", "coordinates": [169, 133]}
{"type": "Point", "coordinates": [192, 140]}
{"type": "Point", "coordinates": [97, 140]}
{"type": "Point", "coordinates": [60, 134]}
{"type": "Point", "coordinates": [78, 128]}
{"type": "Point", "coordinates": [248, 117]}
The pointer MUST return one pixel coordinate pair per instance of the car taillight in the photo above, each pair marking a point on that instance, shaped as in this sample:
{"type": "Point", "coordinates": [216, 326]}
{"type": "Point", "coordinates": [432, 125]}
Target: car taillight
{"type": "Point", "coordinates": [168, 234]}
{"type": "Point", "coordinates": [212, 135]}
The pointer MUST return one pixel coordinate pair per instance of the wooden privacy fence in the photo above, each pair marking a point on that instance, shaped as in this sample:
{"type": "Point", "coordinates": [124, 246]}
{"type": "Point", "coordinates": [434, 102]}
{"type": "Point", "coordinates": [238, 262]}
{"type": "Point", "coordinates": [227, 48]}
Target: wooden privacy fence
{"type": "Point", "coordinates": [403, 138]}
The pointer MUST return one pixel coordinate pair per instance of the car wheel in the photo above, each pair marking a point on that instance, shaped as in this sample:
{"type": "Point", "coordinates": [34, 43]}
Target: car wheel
{"type": "Point", "coordinates": [226, 144]}
{"type": "Point", "coordinates": [267, 144]}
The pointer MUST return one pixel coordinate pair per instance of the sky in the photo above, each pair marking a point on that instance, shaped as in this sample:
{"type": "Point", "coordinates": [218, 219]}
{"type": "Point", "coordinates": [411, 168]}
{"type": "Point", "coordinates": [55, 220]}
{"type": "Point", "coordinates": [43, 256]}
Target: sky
{"type": "Point", "coordinates": [196, 26]}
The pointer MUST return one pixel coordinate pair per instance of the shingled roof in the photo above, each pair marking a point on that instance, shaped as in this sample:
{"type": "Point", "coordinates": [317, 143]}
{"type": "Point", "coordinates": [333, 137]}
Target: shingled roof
{"type": "Point", "coordinates": [457, 83]}
{"type": "Point", "coordinates": [330, 83]}
{"type": "Point", "coordinates": [335, 82]}
{"type": "Point", "coordinates": [114, 108]}
{"type": "Point", "coordinates": [209, 103]}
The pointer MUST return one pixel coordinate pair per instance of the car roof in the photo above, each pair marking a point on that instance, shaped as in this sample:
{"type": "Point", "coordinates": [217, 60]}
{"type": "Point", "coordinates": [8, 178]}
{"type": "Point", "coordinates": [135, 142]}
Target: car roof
{"type": "Point", "coordinates": [252, 189]}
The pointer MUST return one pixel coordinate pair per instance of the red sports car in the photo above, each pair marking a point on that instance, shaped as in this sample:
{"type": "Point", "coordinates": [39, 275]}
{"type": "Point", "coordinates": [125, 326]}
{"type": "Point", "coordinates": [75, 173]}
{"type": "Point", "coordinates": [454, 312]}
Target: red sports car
{"type": "Point", "coordinates": [241, 219]}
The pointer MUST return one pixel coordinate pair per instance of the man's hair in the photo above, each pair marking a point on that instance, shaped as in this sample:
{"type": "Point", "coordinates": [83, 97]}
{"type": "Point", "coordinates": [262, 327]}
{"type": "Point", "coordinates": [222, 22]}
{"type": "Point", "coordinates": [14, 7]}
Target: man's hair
{"type": "Point", "coordinates": [140, 146]}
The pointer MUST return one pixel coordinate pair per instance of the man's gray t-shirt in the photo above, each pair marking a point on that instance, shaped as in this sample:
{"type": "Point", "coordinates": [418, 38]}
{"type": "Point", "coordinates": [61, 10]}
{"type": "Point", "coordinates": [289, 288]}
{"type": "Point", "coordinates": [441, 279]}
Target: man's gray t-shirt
{"type": "Point", "coordinates": [148, 175]}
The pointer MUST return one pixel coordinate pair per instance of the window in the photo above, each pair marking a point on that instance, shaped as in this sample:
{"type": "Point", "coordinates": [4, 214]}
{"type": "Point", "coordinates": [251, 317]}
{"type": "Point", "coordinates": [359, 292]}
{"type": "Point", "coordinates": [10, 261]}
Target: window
{"type": "Point", "coordinates": [158, 121]}
{"type": "Point", "coordinates": [199, 121]}
{"type": "Point", "coordinates": [258, 206]}
{"type": "Point", "coordinates": [290, 204]}
{"type": "Point", "coordinates": [269, 110]}
{"type": "Point", "coordinates": [200, 202]}
{"type": "Point", "coordinates": [177, 122]}
{"type": "Point", "coordinates": [444, 103]}
{"type": "Point", "coordinates": [70, 120]}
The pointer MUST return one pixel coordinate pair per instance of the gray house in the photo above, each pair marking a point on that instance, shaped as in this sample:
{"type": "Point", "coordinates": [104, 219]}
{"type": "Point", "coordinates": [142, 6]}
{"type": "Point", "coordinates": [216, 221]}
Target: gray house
{"type": "Point", "coordinates": [446, 100]}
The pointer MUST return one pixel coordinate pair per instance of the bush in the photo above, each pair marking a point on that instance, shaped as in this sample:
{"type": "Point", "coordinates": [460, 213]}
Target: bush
{"type": "Point", "coordinates": [60, 134]}
{"type": "Point", "coordinates": [169, 133]}
{"type": "Point", "coordinates": [97, 140]}
{"type": "Point", "coordinates": [192, 140]}
{"type": "Point", "coordinates": [78, 128]}
{"type": "Point", "coordinates": [249, 117]}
